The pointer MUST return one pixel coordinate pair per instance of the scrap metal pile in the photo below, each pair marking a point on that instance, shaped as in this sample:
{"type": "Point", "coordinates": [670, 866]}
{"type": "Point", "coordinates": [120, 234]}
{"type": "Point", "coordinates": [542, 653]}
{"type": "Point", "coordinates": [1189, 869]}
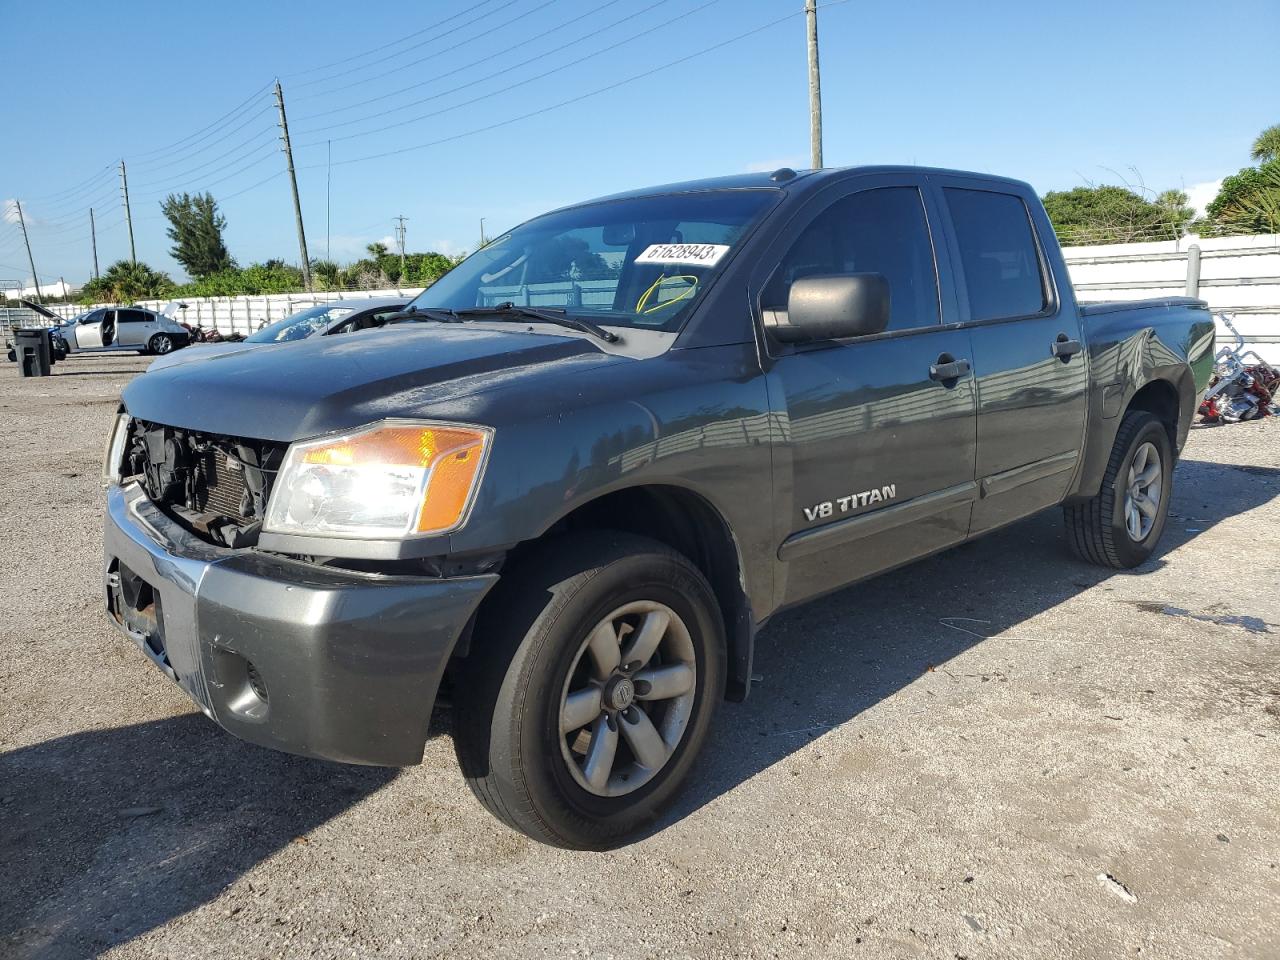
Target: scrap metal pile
{"type": "Point", "coordinates": [1244, 386]}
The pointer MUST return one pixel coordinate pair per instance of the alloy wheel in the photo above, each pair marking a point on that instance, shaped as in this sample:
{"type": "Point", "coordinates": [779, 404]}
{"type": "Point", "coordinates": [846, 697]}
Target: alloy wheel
{"type": "Point", "coordinates": [628, 698]}
{"type": "Point", "coordinates": [1143, 491]}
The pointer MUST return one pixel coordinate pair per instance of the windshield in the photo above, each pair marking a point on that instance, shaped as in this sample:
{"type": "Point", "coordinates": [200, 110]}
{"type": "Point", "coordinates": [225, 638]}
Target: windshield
{"type": "Point", "coordinates": [299, 326]}
{"type": "Point", "coordinates": [636, 263]}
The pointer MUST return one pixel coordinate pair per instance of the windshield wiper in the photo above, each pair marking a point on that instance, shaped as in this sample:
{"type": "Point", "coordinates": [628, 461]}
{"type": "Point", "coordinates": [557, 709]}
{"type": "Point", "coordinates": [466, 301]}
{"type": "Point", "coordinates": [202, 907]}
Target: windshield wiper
{"type": "Point", "coordinates": [549, 315]}
{"type": "Point", "coordinates": [441, 314]}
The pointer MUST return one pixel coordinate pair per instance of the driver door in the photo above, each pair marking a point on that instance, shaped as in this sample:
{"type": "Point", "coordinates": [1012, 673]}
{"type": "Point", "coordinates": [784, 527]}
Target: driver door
{"type": "Point", "coordinates": [88, 332]}
{"type": "Point", "coordinates": [876, 461]}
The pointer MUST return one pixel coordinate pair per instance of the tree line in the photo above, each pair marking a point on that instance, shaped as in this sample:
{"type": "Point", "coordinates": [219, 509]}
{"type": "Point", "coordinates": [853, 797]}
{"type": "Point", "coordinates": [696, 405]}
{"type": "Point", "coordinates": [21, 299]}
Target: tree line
{"type": "Point", "coordinates": [1248, 202]}
{"type": "Point", "coordinates": [196, 228]}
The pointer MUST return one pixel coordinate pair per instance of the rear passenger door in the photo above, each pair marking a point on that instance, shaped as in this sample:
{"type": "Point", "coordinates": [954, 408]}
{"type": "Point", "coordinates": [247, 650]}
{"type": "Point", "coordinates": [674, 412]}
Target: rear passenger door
{"type": "Point", "coordinates": [134, 328]}
{"type": "Point", "coordinates": [1028, 350]}
{"type": "Point", "coordinates": [874, 449]}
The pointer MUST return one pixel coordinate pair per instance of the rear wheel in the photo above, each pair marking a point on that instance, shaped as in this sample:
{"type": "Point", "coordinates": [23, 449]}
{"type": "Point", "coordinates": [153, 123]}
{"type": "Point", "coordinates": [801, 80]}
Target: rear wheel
{"type": "Point", "coordinates": [160, 344]}
{"type": "Point", "coordinates": [590, 688]}
{"type": "Point", "coordinates": [1122, 524]}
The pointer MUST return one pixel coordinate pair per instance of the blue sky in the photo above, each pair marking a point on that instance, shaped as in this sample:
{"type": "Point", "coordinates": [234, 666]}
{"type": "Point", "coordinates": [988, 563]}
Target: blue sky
{"type": "Point", "coordinates": [1054, 93]}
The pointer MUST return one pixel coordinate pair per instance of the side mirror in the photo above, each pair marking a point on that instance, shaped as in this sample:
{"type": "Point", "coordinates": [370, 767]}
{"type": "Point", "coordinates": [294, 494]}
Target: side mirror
{"type": "Point", "coordinates": [834, 307]}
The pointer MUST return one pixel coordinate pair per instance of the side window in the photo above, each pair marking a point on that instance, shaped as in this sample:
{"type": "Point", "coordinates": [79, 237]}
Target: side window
{"type": "Point", "coordinates": [132, 316]}
{"type": "Point", "coordinates": [998, 251]}
{"type": "Point", "coordinates": [877, 231]}
{"type": "Point", "coordinates": [379, 319]}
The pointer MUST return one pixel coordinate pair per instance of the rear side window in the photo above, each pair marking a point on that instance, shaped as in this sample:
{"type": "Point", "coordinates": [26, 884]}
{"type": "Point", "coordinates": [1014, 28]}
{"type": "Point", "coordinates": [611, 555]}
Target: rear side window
{"type": "Point", "coordinates": [877, 231]}
{"type": "Point", "coordinates": [132, 316]}
{"type": "Point", "coordinates": [998, 250]}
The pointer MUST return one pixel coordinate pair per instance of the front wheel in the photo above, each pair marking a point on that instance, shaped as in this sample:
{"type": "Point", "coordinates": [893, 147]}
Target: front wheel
{"type": "Point", "coordinates": [1121, 525]}
{"type": "Point", "coordinates": [590, 688]}
{"type": "Point", "coordinates": [160, 344]}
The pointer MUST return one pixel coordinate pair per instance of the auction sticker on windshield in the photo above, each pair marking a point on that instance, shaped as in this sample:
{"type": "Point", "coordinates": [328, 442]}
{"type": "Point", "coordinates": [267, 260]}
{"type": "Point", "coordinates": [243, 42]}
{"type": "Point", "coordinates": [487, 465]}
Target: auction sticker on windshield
{"type": "Point", "coordinates": [697, 254]}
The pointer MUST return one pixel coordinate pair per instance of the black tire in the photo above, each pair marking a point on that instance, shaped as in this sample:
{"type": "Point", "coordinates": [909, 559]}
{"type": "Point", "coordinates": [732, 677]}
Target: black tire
{"type": "Point", "coordinates": [528, 639]}
{"type": "Point", "coordinates": [160, 344]}
{"type": "Point", "coordinates": [1096, 528]}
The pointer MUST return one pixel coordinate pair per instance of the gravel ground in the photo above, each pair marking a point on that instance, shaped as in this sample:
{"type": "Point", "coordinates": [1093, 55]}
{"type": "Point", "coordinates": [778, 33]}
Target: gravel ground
{"type": "Point", "coordinates": [949, 761]}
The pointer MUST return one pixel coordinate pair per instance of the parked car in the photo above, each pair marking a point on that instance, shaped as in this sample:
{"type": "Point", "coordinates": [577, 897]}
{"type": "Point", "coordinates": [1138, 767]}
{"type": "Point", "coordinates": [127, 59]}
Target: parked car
{"type": "Point", "coordinates": [113, 330]}
{"type": "Point", "coordinates": [322, 320]}
{"type": "Point", "coordinates": [621, 438]}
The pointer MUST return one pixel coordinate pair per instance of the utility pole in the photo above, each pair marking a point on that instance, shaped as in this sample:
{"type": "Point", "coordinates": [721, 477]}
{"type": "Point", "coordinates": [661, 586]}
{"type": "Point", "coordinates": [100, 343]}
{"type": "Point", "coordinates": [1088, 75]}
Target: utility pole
{"type": "Point", "coordinates": [328, 181]}
{"type": "Point", "coordinates": [93, 237]}
{"type": "Point", "coordinates": [482, 240]}
{"type": "Point", "coordinates": [815, 86]}
{"type": "Point", "coordinates": [25, 239]}
{"type": "Point", "coordinates": [128, 214]}
{"type": "Point", "coordinates": [400, 232]}
{"type": "Point", "coordinates": [293, 183]}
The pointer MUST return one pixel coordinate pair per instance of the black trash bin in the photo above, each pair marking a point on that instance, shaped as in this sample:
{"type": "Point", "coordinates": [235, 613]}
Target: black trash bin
{"type": "Point", "coordinates": [34, 348]}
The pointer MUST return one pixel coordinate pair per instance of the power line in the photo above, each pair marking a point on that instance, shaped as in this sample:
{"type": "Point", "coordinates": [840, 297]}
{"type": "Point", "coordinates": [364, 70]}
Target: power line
{"type": "Point", "coordinates": [507, 89]}
{"type": "Point", "coordinates": [446, 33]}
{"type": "Point", "coordinates": [70, 196]}
{"type": "Point", "coordinates": [491, 56]}
{"type": "Point", "coordinates": [66, 210]}
{"type": "Point", "coordinates": [69, 190]}
{"type": "Point", "coordinates": [401, 68]}
{"type": "Point", "coordinates": [186, 155]}
{"type": "Point", "coordinates": [431, 26]}
{"type": "Point", "coordinates": [255, 141]}
{"type": "Point", "coordinates": [141, 157]}
{"type": "Point", "coordinates": [43, 276]}
{"type": "Point", "coordinates": [253, 186]}
{"type": "Point", "coordinates": [572, 100]}
{"type": "Point", "coordinates": [69, 219]}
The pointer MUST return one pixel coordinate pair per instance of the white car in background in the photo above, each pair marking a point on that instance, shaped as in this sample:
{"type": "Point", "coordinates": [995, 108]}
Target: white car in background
{"type": "Point", "coordinates": [322, 320]}
{"type": "Point", "coordinates": [114, 330]}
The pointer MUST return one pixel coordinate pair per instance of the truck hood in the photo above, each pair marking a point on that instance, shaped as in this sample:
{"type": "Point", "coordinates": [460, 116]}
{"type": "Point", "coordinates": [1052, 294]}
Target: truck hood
{"type": "Point", "coordinates": [324, 384]}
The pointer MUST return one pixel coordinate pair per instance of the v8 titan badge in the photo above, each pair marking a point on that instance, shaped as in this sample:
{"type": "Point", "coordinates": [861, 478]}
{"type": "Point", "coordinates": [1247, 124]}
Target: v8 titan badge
{"type": "Point", "coordinates": [694, 254]}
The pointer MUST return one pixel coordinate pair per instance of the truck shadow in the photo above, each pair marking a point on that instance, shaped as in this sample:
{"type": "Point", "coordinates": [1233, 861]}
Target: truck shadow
{"type": "Point", "coordinates": [826, 662]}
{"type": "Point", "coordinates": [115, 832]}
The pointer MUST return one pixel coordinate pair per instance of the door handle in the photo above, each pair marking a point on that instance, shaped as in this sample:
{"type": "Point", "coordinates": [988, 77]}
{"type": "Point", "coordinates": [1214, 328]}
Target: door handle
{"type": "Point", "coordinates": [947, 369]}
{"type": "Point", "coordinates": [1063, 348]}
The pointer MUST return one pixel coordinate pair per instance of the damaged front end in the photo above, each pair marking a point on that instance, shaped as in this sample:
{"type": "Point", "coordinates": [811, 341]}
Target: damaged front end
{"type": "Point", "coordinates": [215, 486]}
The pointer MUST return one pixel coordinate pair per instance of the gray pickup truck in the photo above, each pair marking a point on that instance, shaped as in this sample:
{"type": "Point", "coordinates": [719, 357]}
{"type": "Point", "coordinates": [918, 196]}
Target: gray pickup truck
{"type": "Point", "coordinates": [577, 475]}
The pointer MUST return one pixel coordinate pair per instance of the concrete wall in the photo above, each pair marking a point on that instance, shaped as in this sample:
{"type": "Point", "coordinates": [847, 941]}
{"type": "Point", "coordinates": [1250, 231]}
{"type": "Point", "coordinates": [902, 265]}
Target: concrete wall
{"type": "Point", "coordinates": [1238, 275]}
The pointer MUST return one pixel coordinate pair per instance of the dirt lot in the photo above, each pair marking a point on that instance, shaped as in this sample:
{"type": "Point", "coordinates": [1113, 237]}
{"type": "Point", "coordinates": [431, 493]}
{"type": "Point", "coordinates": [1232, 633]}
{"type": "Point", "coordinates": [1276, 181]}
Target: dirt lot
{"type": "Point", "coordinates": [946, 762]}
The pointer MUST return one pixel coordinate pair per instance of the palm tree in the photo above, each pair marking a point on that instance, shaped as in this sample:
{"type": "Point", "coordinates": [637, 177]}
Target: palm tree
{"type": "Point", "coordinates": [1266, 146]}
{"type": "Point", "coordinates": [126, 282]}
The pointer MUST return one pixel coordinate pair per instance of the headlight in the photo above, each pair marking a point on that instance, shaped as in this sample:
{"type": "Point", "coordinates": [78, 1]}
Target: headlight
{"type": "Point", "coordinates": [115, 449]}
{"type": "Point", "coordinates": [395, 479]}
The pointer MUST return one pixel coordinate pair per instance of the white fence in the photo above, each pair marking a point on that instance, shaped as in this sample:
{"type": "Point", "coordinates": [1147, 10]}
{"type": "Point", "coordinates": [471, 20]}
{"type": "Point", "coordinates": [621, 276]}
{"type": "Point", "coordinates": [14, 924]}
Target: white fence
{"type": "Point", "coordinates": [1235, 275]}
{"type": "Point", "coordinates": [248, 313]}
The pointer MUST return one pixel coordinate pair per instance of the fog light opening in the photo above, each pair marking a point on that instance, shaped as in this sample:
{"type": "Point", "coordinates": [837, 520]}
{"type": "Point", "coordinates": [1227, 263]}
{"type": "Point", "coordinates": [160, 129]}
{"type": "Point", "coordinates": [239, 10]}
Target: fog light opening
{"type": "Point", "coordinates": [256, 683]}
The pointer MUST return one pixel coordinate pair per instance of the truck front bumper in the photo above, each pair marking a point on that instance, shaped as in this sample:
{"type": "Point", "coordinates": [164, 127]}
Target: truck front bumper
{"type": "Point", "coordinates": [302, 658]}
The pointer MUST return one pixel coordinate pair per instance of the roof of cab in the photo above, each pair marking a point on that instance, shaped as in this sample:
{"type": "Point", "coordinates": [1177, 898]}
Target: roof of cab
{"type": "Point", "coordinates": [778, 180]}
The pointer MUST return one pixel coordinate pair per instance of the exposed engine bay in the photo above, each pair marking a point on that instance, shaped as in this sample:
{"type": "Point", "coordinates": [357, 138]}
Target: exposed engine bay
{"type": "Point", "coordinates": [216, 486]}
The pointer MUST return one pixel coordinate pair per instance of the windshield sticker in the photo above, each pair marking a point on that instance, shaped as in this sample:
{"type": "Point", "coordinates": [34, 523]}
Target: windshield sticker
{"type": "Point", "coordinates": [695, 254]}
